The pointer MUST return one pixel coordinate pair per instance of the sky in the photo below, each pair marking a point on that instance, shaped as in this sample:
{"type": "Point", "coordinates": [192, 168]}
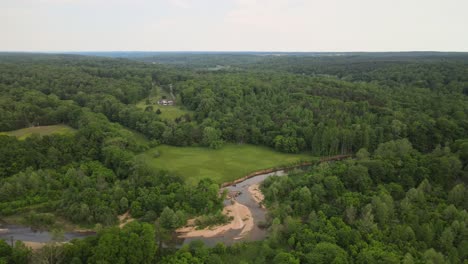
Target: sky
{"type": "Point", "coordinates": [234, 25]}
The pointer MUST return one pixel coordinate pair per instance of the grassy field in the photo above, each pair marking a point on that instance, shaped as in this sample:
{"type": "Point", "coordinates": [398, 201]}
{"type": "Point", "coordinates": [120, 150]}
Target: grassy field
{"type": "Point", "coordinates": [226, 164]}
{"type": "Point", "coordinates": [137, 136]}
{"type": "Point", "coordinates": [170, 112]}
{"type": "Point", "coordinates": [40, 130]}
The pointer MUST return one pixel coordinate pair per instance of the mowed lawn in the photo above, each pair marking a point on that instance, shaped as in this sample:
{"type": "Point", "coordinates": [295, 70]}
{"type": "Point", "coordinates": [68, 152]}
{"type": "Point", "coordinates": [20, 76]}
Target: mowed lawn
{"type": "Point", "coordinates": [226, 164]}
{"type": "Point", "coordinates": [39, 130]}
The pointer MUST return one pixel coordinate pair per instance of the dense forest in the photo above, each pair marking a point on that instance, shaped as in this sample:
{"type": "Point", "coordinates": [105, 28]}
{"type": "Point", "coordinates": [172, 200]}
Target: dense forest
{"type": "Point", "coordinates": [401, 198]}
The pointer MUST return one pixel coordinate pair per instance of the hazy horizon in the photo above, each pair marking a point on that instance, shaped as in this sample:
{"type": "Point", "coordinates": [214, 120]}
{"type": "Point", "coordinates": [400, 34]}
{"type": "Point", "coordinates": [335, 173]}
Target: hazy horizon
{"type": "Point", "coordinates": [233, 26]}
{"type": "Point", "coordinates": [223, 51]}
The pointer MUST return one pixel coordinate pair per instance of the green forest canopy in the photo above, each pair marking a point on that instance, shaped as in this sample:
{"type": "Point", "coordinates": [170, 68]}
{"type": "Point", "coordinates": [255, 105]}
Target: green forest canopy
{"type": "Point", "coordinates": [403, 198]}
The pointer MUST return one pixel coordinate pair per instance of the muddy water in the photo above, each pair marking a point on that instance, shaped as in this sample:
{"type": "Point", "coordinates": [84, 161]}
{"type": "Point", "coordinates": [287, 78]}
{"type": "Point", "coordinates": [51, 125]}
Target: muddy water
{"type": "Point", "coordinates": [245, 198]}
{"type": "Point", "coordinates": [12, 233]}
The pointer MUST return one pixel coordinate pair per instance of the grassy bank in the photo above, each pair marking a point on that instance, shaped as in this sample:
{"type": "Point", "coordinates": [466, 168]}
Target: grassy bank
{"type": "Point", "coordinates": [226, 164]}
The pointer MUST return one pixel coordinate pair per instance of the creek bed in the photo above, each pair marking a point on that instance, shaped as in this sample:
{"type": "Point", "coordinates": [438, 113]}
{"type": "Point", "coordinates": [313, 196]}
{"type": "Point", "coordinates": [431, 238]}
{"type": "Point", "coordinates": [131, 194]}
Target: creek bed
{"type": "Point", "coordinates": [243, 197]}
{"type": "Point", "coordinates": [12, 233]}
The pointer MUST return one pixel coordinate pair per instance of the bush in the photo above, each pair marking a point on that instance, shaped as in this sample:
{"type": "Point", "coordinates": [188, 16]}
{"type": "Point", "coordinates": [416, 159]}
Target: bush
{"type": "Point", "coordinates": [39, 220]}
{"type": "Point", "coordinates": [212, 220]}
{"type": "Point", "coordinates": [156, 154]}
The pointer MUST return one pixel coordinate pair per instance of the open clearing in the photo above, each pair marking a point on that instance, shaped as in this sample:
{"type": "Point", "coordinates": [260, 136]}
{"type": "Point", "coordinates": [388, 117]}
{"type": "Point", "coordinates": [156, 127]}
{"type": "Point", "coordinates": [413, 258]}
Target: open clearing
{"type": "Point", "coordinates": [222, 165]}
{"type": "Point", "coordinates": [40, 130]}
{"type": "Point", "coordinates": [168, 112]}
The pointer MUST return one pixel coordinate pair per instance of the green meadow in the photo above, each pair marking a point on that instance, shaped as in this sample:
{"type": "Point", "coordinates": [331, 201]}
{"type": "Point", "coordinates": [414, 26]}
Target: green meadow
{"type": "Point", "coordinates": [230, 162]}
{"type": "Point", "coordinates": [132, 134]}
{"type": "Point", "coordinates": [39, 130]}
{"type": "Point", "coordinates": [170, 112]}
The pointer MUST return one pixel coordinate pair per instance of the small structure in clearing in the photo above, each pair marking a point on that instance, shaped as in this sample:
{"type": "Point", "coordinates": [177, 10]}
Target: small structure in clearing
{"type": "Point", "coordinates": [166, 102]}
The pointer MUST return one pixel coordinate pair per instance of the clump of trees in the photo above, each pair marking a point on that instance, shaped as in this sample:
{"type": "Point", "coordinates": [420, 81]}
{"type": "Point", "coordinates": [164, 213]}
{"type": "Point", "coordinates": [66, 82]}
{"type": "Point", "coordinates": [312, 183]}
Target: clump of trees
{"type": "Point", "coordinates": [17, 253]}
{"type": "Point", "coordinates": [391, 206]}
{"type": "Point", "coordinates": [91, 177]}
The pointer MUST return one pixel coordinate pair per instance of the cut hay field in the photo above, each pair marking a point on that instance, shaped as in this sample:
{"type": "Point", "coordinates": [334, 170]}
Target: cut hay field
{"type": "Point", "coordinates": [39, 130]}
{"type": "Point", "coordinates": [226, 164]}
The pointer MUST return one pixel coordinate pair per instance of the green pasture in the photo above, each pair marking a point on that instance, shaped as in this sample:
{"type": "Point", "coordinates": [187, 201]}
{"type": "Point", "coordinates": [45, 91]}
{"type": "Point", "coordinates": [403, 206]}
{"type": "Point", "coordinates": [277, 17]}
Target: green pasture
{"type": "Point", "coordinates": [226, 164]}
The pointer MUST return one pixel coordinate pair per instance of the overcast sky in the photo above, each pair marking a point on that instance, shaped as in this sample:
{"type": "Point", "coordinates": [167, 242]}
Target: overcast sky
{"type": "Point", "coordinates": [233, 25]}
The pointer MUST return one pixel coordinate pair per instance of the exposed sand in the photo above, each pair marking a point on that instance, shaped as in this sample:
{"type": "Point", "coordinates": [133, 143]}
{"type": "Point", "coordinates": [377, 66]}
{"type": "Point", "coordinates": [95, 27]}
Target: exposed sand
{"type": "Point", "coordinates": [39, 245]}
{"type": "Point", "coordinates": [256, 194]}
{"type": "Point", "coordinates": [125, 219]}
{"type": "Point", "coordinates": [249, 224]}
{"type": "Point", "coordinates": [34, 245]}
{"type": "Point", "coordinates": [242, 219]}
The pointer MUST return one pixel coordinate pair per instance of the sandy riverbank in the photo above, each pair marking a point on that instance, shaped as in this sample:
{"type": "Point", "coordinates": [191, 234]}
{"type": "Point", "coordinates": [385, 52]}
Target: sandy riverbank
{"type": "Point", "coordinates": [256, 194]}
{"type": "Point", "coordinates": [242, 219]}
{"type": "Point", "coordinates": [39, 245]}
{"type": "Point", "coordinates": [34, 245]}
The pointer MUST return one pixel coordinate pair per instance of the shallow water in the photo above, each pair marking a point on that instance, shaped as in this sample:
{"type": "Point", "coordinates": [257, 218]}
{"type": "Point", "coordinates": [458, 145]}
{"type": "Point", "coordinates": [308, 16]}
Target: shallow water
{"type": "Point", "coordinates": [12, 233]}
{"type": "Point", "coordinates": [245, 198]}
